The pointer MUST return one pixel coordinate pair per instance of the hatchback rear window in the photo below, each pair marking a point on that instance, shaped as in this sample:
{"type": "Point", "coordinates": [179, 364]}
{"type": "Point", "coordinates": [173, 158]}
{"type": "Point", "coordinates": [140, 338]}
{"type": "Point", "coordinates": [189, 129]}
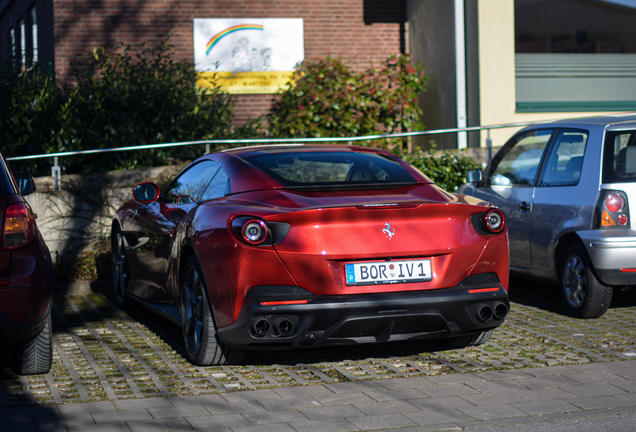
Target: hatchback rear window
{"type": "Point", "coordinates": [619, 158]}
{"type": "Point", "coordinates": [325, 168]}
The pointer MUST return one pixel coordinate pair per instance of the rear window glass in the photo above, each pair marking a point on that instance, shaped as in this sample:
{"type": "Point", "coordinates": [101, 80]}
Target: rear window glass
{"type": "Point", "coordinates": [325, 168]}
{"type": "Point", "coordinates": [619, 161]}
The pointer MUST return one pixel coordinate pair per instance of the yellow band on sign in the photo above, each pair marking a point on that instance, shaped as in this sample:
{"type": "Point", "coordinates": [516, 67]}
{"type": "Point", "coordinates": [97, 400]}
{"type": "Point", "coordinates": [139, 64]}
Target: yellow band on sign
{"type": "Point", "coordinates": [245, 82]}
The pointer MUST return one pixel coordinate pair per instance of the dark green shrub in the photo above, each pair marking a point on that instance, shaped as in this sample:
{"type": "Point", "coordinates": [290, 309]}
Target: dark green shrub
{"type": "Point", "coordinates": [327, 99]}
{"type": "Point", "coordinates": [447, 168]}
{"type": "Point", "coordinates": [127, 96]}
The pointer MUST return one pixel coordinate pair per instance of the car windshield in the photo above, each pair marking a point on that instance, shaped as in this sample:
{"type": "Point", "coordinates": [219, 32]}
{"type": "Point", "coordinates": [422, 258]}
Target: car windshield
{"type": "Point", "coordinates": [619, 161]}
{"type": "Point", "coordinates": [332, 168]}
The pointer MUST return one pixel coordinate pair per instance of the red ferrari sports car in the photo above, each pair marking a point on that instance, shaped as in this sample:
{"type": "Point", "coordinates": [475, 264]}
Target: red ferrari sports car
{"type": "Point", "coordinates": [291, 246]}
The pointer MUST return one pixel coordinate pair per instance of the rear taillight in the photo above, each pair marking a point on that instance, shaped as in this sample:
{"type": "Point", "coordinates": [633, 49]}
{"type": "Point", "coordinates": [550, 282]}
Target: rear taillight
{"type": "Point", "coordinates": [18, 229]}
{"type": "Point", "coordinates": [494, 221]}
{"type": "Point", "coordinates": [614, 209]}
{"type": "Point", "coordinates": [254, 231]}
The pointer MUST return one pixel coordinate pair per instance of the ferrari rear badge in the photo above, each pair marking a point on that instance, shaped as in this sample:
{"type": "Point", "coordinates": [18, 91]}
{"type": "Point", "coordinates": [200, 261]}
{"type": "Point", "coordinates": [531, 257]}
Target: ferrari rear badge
{"type": "Point", "coordinates": [390, 232]}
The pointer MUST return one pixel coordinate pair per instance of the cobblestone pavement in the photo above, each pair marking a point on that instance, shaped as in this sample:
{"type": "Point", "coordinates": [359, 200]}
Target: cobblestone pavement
{"type": "Point", "coordinates": [103, 353]}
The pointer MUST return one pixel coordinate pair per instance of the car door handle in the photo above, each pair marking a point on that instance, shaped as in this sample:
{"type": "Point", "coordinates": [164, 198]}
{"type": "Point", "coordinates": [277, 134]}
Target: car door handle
{"type": "Point", "coordinates": [524, 206]}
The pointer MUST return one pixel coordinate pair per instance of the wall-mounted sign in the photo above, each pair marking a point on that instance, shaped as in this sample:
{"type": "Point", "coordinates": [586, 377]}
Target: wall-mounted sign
{"type": "Point", "coordinates": [247, 55]}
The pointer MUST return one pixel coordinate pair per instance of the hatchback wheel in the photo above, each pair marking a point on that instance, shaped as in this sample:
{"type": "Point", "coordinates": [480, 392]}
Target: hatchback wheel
{"type": "Point", "coordinates": [120, 268]}
{"type": "Point", "coordinates": [34, 356]}
{"type": "Point", "coordinates": [199, 330]}
{"type": "Point", "coordinates": [582, 293]}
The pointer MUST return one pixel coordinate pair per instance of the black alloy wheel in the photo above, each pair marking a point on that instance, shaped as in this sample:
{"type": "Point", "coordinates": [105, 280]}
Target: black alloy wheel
{"type": "Point", "coordinates": [120, 268]}
{"type": "Point", "coordinates": [199, 329]}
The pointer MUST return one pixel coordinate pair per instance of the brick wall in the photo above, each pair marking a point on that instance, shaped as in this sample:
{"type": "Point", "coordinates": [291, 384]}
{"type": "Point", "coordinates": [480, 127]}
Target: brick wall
{"type": "Point", "coordinates": [361, 31]}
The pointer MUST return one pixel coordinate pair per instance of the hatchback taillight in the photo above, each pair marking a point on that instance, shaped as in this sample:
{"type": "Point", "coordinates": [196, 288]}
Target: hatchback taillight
{"type": "Point", "coordinates": [614, 209]}
{"type": "Point", "coordinates": [18, 228]}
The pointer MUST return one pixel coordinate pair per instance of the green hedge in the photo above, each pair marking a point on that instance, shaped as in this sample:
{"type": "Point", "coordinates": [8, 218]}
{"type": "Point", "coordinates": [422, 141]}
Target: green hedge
{"type": "Point", "coordinates": [127, 96]}
{"type": "Point", "coordinates": [137, 94]}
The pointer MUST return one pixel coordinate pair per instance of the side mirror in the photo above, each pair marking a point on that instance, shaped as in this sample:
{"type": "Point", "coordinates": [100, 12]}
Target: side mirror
{"type": "Point", "coordinates": [26, 183]}
{"type": "Point", "coordinates": [146, 192]}
{"type": "Point", "coordinates": [474, 176]}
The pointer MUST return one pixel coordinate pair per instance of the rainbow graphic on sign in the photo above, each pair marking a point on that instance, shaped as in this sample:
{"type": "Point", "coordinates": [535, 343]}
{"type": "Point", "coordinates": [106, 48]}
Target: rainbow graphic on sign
{"type": "Point", "coordinates": [215, 39]}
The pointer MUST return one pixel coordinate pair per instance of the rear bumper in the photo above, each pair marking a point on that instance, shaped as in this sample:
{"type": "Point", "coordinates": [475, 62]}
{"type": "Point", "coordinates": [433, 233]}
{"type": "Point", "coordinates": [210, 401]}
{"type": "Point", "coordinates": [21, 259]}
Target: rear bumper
{"type": "Point", "coordinates": [611, 251]}
{"type": "Point", "coordinates": [352, 319]}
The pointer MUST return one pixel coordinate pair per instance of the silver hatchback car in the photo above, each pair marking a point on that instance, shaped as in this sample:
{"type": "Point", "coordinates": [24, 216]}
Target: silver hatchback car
{"type": "Point", "coordinates": [566, 188]}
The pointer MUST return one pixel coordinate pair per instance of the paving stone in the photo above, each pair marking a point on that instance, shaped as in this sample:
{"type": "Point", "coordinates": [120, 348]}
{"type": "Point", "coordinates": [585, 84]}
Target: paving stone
{"type": "Point", "coordinates": [430, 417]}
{"type": "Point", "coordinates": [267, 417]}
{"type": "Point", "coordinates": [368, 423]}
{"type": "Point", "coordinates": [597, 402]}
{"type": "Point", "coordinates": [128, 415]}
{"type": "Point", "coordinates": [492, 398]}
{"type": "Point", "coordinates": [275, 427]}
{"type": "Point", "coordinates": [181, 411]}
{"type": "Point", "coordinates": [592, 377]}
{"type": "Point", "coordinates": [502, 375]}
{"type": "Point", "coordinates": [489, 412]}
{"type": "Point", "coordinates": [446, 402]}
{"type": "Point", "coordinates": [247, 396]}
{"type": "Point", "coordinates": [325, 425]}
{"type": "Point", "coordinates": [44, 422]}
{"type": "Point", "coordinates": [591, 390]}
{"type": "Point", "coordinates": [546, 382]}
{"type": "Point", "coordinates": [14, 413]}
{"type": "Point", "coordinates": [21, 423]}
{"type": "Point", "coordinates": [396, 394]}
{"type": "Point", "coordinates": [289, 403]}
{"type": "Point", "coordinates": [104, 427]}
{"type": "Point", "coordinates": [231, 420]}
{"type": "Point", "coordinates": [136, 404]}
{"type": "Point", "coordinates": [546, 407]}
{"type": "Point", "coordinates": [354, 387]}
{"type": "Point", "coordinates": [386, 407]}
{"type": "Point", "coordinates": [455, 379]}
{"type": "Point", "coordinates": [547, 371]}
{"type": "Point", "coordinates": [448, 390]}
{"type": "Point", "coordinates": [496, 386]}
{"type": "Point", "coordinates": [331, 412]}
{"type": "Point", "coordinates": [87, 407]}
{"type": "Point", "coordinates": [196, 400]}
{"type": "Point", "coordinates": [307, 391]}
{"type": "Point", "coordinates": [542, 394]}
{"type": "Point", "coordinates": [406, 382]}
{"type": "Point", "coordinates": [345, 398]}
{"type": "Point", "coordinates": [167, 425]}
{"type": "Point", "coordinates": [233, 408]}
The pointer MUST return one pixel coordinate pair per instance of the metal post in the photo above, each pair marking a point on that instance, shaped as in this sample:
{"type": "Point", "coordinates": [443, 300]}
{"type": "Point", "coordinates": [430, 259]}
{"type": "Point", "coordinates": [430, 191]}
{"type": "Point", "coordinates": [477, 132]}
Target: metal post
{"type": "Point", "coordinates": [56, 175]}
{"type": "Point", "coordinates": [489, 146]}
{"type": "Point", "coordinates": [207, 148]}
{"type": "Point", "coordinates": [460, 73]}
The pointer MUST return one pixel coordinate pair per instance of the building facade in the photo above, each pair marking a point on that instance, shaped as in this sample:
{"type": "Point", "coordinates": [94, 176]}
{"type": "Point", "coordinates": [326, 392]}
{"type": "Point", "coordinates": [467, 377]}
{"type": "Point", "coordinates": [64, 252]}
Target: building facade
{"type": "Point", "coordinates": [489, 61]}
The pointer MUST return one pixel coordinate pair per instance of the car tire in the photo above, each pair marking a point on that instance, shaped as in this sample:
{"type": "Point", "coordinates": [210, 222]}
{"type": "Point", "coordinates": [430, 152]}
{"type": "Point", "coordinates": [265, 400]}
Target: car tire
{"type": "Point", "coordinates": [582, 294]}
{"type": "Point", "coordinates": [121, 270]}
{"type": "Point", "coordinates": [34, 356]}
{"type": "Point", "coordinates": [203, 346]}
{"type": "Point", "coordinates": [480, 338]}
